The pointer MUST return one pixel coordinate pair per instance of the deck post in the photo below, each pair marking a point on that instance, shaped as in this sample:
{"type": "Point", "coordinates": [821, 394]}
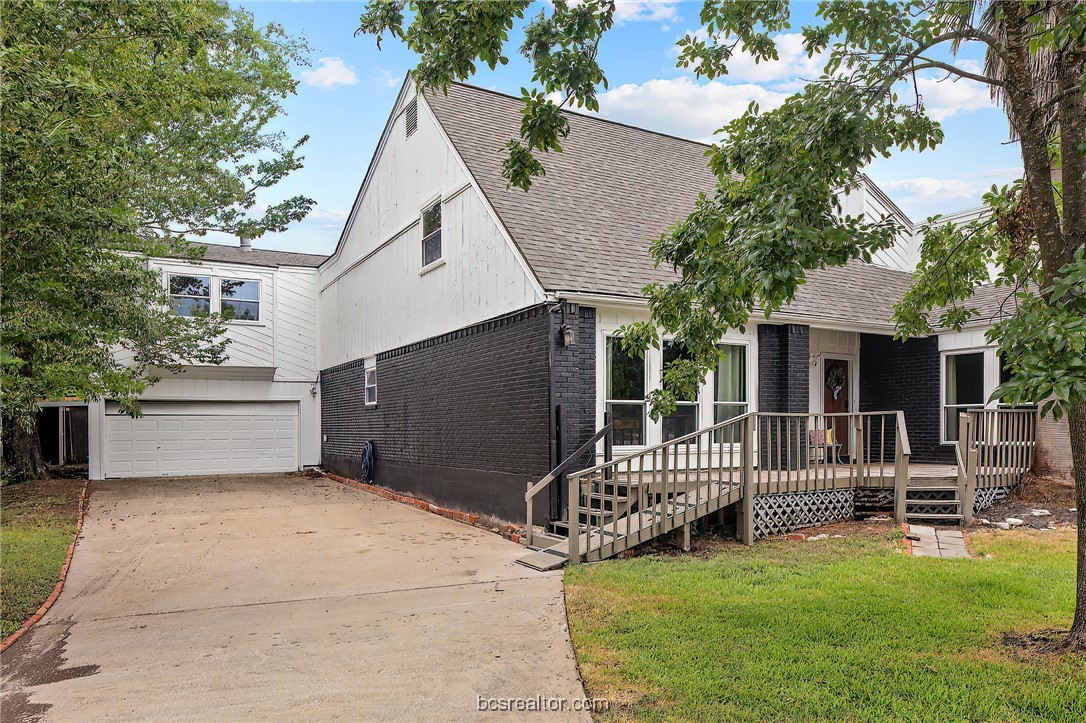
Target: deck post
{"type": "Point", "coordinates": [968, 491]}
{"type": "Point", "coordinates": [858, 449]}
{"type": "Point", "coordinates": [902, 452]}
{"type": "Point", "coordinates": [745, 518]}
{"type": "Point", "coordinates": [682, 536]}
{"type": "Point", "coordinates": [574, 520]}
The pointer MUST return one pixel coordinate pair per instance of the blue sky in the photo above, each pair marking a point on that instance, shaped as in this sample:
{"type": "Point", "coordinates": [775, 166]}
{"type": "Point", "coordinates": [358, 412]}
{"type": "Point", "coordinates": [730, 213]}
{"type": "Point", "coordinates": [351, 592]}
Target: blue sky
{"type": "Point", "coordinates": [345, 96]}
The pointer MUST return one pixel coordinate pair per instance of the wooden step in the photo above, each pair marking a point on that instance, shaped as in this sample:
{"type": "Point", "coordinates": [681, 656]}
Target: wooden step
{"type": "Point", "coordinates": [543, 540]}
{"type": "Point", "coordinates": [941, 488]}
{"type": "Point", "coordinates": [931, 516]}
{"type": "Point", "coordinates": [932, 502]}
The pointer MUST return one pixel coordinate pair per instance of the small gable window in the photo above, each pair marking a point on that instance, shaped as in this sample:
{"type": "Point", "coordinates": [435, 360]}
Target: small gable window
{"type": "Point", "coordinates": [411, 117]}
{"type": "Point", "coordinates": [431, 234]}
{"type": "Point", "coordinates": [190, 295]}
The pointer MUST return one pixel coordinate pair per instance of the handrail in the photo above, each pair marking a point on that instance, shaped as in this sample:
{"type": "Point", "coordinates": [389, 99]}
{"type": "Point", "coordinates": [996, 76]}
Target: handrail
{"type": "Point", "coordinates": [604, 432]}
{"type": "Point", "coordinates": [658, 447]}
{"type": "Point", "coordinates": [553, 474]}
{"type": "Point", "coordinates": [713, 428]}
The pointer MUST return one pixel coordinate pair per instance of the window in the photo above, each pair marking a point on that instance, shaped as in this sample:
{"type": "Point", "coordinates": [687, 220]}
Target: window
{"type": "Point", "coordinates": [625, 393]}
{"type": "Point", "coordinates": [190, 295]}
{"type": "Point", "coordinates": [411, 117]}
{"type": "Point", "coordinates": [431, 234]}
{"type": "Point", "coordinates": [963, 389]}
{"type": "Point", "coordinates": [684, 420]}
{"type": "Point", "coordinates": [371, 385]}
{"type": "Point", "coordinates": [730, 392]}
{"type": "Point", "coordinates": [239, 299]}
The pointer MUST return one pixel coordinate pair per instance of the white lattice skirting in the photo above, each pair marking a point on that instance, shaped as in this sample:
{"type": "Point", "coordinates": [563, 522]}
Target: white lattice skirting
{"type": "Point", "coordinates": [985, 498]}
{"type": "Point", "coordinates": [778, 514]}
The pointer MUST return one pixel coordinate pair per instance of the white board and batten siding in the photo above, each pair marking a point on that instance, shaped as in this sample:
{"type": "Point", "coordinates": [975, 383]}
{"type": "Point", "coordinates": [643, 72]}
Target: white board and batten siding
{"type": "Point", "coordinates": [257, 412]}
{"type": "Point", "coordinates": [375, 294]}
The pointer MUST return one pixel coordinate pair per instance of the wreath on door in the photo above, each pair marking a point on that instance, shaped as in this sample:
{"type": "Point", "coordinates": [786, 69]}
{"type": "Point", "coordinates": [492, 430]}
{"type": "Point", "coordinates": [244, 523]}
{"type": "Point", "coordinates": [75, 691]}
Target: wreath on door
{"type": "Point", "coordinates": [835, 380]}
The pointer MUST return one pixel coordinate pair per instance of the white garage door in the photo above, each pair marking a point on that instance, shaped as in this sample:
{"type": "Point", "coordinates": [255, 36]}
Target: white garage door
{"type": "Point", "coordinates": [186, 438]}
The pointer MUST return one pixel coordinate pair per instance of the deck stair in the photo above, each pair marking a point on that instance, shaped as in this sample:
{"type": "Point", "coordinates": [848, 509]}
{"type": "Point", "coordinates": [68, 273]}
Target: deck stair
{"type": "Point", "coordinates": [933, 503]}
{"type": "Point", "coordinates": [662, 489]}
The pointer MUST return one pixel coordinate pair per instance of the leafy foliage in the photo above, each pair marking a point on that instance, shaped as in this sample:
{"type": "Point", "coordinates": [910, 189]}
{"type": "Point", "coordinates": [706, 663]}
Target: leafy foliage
{"type": "Point", "coordinates": [129, 128]}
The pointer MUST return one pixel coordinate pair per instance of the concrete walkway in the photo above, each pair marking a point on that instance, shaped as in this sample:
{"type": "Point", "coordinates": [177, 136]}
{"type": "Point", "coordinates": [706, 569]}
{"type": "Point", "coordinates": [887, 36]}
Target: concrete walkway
{"type": "Point", "coordinates": [287, 597]}
{"type": "Point", "coordinates": [933, 542]}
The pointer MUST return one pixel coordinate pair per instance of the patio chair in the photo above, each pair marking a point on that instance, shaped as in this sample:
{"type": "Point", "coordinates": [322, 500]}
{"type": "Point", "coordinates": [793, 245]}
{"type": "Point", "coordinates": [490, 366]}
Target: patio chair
{"type": "Point", "coordinates": [821, 443]}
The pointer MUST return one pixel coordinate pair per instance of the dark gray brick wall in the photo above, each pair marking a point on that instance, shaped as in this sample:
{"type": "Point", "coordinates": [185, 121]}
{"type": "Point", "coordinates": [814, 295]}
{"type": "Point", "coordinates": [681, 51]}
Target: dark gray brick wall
{"type": "Point", "coordinates": [784, 369]}
{"type": "Point", "coordinates": [575, 377]}
{"type": "Point", "coordinates": [461, 419]}
{"type": "Point", "coordinates": [905, 375]}
{"type": "Point", "coordinates": [574, 389]}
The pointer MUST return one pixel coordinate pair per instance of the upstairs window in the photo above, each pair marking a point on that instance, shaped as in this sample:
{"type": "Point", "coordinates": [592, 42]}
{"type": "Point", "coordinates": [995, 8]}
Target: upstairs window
{"type": "Point", "coordinates": [239, 299]}
{"type": "Point", "coordinates": [190, 295]}
{"type": "Point", "coordinates": [625, 393]}
{"type": "Point", "coordinates": [431, 234]}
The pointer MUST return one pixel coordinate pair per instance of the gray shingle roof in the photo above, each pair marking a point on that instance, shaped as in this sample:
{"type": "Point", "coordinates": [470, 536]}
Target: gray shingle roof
{"type": "Point", "coordinates": [261, 257]}
{"type": "Point", "coordinates": [587, 225]}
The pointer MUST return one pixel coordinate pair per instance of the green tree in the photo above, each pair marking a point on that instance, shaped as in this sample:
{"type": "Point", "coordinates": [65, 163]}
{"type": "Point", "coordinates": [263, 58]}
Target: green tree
{"type": "Point", "coordinates": [128, 129]}
{"type": "Point", "coordinates": [775, 213]}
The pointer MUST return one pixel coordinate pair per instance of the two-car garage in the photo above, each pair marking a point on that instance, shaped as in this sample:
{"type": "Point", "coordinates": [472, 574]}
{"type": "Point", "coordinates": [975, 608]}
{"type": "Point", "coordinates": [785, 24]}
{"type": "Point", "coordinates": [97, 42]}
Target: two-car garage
{"type": "Point", "coordinates": [188, 438]}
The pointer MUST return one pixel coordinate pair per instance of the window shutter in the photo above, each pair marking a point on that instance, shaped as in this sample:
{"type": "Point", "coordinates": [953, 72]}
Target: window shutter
{"type": "Point", "coordinates": [411, 117]}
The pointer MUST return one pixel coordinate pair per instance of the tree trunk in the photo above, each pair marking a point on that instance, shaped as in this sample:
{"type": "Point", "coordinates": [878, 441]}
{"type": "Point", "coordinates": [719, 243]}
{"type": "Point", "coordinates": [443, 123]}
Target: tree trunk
{"type": "Point", "coordinates": [22, 452]}
{"type": "Point", "coordinates": [1076, 422]}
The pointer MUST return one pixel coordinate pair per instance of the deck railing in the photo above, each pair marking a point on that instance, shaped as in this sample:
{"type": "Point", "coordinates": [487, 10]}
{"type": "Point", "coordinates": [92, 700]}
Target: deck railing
{"type": "Point", "coordinates": [995, 449]}
{"type": "Point", "coordinates": [629, 500]}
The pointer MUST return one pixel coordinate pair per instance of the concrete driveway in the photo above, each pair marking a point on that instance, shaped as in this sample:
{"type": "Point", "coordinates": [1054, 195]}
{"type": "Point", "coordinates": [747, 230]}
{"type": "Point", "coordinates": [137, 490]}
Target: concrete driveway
{"type": "Point", "coordinates": [279, 597]}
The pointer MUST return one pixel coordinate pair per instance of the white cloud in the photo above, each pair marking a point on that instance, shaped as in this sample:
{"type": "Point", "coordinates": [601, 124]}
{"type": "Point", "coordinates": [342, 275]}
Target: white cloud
{"type": "Point", "coordinates": [930, 189]}
{"type": "Point", "coordinates": [387, 79]}
{"type": "Point", "coordinates": [650, 10]}
{"type": "Point", "coordinates": [683, 107]}
{"type": "Point", "coordinates": [331, 71]}
{"type": "Point", "coordinates": [327, 217]}
{"type": "Point", "coordinates": [792, 63]}
{"type": "Point", "coordinates": [945, 98]}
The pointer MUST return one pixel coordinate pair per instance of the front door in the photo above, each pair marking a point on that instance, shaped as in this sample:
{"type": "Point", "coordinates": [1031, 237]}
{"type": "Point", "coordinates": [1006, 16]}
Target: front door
{"type": "Point", "coordinates": [836, 385]}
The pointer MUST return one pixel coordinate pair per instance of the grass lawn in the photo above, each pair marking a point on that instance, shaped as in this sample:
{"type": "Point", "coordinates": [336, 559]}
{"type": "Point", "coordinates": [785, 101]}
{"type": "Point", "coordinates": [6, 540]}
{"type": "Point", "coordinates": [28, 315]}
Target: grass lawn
{"type": "Point", "coordinates": [841, 629]}
{"type": "Point", "coordinates": [37, 521]}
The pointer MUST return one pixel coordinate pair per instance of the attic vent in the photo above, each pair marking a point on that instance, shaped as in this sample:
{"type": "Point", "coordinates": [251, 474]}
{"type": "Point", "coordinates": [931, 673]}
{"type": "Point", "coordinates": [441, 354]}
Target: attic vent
{"type": "Point", "coordinates": [411, 117]}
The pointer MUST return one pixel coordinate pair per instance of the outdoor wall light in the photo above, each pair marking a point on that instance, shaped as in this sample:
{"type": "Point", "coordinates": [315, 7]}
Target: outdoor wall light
{"type": "Point", "coordinates": [567, 334]}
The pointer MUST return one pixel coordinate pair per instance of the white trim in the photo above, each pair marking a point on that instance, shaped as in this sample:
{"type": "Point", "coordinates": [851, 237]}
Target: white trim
{"type": "Point", "coordinates": [991, 381]}
{"type": "Point", "coordinates": [853, 379]}
{"type": "Point", "coordinates": [438, 201]}
{"type": "Point", "coordinates": [431, 266]}
{"type": "Point", "coordinates": [538, 287]}
{"type": "Point", "coordinates": [778, 318]}
{"type": "Point", "coordinates": [369, 365]}
{"type": "Point", "coordinates": [654, 371]}
{"type": "Point", "coordinates": [215, 278]}
{"type": "Point", "coordinates": [389, 125]}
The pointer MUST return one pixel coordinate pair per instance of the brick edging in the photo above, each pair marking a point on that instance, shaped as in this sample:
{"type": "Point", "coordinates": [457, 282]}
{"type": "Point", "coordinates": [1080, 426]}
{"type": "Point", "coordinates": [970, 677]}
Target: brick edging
{"type": "Point", "coordinates": [41, 611]}
{"type": "Point", "coordinates": [968, 544]}
{"type": "Point", "coordinates": [509, 532]}
{"type": "Point", "coordinates": [905, 538]}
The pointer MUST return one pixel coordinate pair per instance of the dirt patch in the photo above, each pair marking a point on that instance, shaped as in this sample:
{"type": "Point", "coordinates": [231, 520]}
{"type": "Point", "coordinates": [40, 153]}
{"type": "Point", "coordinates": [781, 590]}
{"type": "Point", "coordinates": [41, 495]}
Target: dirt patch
{"type": "Point", "coordinates": [37, 499]}
{"type": "Point", "coordinates": [1041, 642]}
{"type": "Point", "coordinates": [1041, 492]}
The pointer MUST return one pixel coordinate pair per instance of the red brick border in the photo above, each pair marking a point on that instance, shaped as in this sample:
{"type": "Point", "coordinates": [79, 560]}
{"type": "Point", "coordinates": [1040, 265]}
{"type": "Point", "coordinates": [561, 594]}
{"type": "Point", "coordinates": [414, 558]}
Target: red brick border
{"type": "Point", "coordinates": [40, 613]}
{"type": "Point", "coordinates": [969, 544]}
{"type": "Point", "coordinates": [905, 538]}
{"type": "Point", "coordinates": [509, 532]}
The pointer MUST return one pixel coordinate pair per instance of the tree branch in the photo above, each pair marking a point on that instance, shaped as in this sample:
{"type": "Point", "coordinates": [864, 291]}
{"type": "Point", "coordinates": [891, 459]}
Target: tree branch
{"type": "Point", "coordinates": [930, 64]}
